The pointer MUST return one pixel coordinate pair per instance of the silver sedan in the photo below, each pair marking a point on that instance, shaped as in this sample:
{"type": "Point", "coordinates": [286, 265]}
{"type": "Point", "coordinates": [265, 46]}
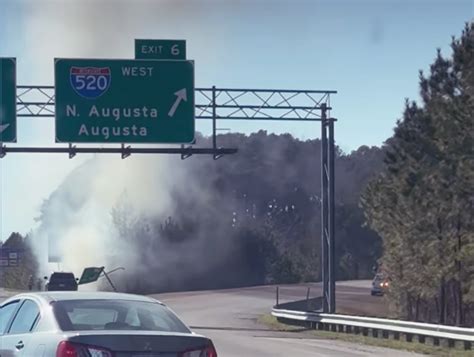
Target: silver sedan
{"type": "Point", "coordinates": [96, 324]}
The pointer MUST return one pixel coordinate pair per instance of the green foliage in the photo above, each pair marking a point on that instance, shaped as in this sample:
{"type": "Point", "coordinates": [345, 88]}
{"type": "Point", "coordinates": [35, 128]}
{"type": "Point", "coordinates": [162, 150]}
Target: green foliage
{"type": "Point", "coordinates": [422, 203]}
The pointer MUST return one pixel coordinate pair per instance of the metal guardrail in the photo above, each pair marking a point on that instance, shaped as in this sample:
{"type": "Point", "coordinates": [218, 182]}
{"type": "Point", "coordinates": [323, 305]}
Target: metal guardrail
{"type": "Point", "coordinates": [377, 326]}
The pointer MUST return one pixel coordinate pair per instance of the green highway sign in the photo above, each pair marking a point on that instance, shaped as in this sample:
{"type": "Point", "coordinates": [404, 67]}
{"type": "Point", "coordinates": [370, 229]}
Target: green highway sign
{"type": "Point", "coordinates": [124, 101]}
{"type": "Point", "coordinates": [91, 274]}
{"type": "Point", "coordinates": [160, 49]}
{"type": "Point", "coordinates": [7, 100]}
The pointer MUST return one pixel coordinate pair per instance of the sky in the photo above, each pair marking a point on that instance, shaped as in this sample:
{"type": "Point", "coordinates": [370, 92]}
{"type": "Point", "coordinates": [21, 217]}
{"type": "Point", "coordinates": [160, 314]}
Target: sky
{"type": "Point", "coordinates": [370, 51]}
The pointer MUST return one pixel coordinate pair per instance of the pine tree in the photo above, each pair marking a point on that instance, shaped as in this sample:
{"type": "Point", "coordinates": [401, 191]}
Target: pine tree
{"type": "Point", "coordinates": [422, 205]}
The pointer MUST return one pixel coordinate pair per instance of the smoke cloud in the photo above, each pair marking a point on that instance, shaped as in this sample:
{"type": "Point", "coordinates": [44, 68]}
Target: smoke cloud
{"type": "Point", "coordinates": [75, 224]}
{"type": "Point", "coordinates": [159, 217]}
{"type": "Point", "coordinates": [76, 221]}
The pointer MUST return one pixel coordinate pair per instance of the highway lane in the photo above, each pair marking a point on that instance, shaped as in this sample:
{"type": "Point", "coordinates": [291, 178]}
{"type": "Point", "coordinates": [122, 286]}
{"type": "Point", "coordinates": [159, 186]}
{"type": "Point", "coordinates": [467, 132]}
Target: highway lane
{"type": "Point", "coordinates": [230, 318]}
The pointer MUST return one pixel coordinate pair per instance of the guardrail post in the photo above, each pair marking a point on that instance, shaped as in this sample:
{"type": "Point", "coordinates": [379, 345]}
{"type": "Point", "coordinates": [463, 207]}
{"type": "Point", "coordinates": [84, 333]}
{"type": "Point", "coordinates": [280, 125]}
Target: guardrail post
{"type": "Point", "coordinates": [451, 343]}
{"type": "Point", "coordinates": [435, 341]}
{"type": "Point", "coordinates": [277, 296]}
{"type": "Point", "coordinates": [467, 345]}
{"type": "Point", "coordinates": [421, 339]}
{"type": "Point", "coordinates": [396, 335]}
{"type": "Point", "coordinates": [307, 299]}
{"type": "Point", "coordinates": [409, 337]}
{"type": "Point", "coordinates": [375, 333]}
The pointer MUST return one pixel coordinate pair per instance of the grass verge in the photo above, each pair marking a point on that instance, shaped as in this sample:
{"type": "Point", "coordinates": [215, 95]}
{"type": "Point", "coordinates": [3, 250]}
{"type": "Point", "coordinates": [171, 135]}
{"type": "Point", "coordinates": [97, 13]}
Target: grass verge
{"type": "Point", "coordinates": [426, 348]}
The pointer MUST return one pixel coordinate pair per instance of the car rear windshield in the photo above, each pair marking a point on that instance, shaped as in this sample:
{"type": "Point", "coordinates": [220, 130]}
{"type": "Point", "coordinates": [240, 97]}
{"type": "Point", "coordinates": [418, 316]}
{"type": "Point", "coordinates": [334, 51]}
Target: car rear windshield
{"type": "Point", "coordinates": [76, 315]}
{"type": "Point", "coordinates": [62, 276]}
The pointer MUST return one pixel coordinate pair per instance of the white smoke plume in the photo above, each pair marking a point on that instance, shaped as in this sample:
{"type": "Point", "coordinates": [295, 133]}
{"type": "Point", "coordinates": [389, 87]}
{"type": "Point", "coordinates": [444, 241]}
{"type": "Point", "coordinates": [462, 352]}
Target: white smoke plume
{"type": "Point", "coordinates": [76, 220]}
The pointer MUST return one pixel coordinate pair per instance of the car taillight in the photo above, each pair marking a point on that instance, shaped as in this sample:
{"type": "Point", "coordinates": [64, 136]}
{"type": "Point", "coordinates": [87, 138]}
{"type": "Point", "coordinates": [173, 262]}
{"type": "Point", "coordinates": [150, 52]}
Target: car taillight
{"type": "Point", "coordinates": [70, 349]}
{"type": "Point", "coordinates": [208, 351]}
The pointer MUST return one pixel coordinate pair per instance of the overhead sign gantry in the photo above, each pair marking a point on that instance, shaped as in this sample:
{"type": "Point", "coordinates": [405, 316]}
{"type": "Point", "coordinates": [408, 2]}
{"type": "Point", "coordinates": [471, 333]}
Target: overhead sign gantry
{"type": "Point", "coordinates": [86, 87]}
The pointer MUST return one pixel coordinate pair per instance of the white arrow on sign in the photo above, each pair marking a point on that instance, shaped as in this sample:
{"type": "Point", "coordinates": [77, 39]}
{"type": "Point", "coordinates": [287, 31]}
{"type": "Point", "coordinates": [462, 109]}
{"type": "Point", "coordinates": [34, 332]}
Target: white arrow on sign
{"type": "Point", "coordinates": [180, 95]}
{"type": "Point", "coordinates": [3, 127]}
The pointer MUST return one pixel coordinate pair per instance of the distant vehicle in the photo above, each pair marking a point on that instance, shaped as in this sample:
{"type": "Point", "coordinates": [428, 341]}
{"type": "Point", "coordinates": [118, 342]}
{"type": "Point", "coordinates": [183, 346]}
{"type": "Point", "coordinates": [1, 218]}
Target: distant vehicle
{"type": "Point", "coordinates": [60, 281]}
{"type": "Point", "coordinates": [102, 324]}
{"type": "Point", "coordinates": [380, 284]}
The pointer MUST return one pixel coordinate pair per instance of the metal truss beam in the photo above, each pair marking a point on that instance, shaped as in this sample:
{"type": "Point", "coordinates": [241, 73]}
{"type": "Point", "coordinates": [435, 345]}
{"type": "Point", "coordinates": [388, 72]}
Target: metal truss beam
{"type": "Point", "coordinates": [229, 104]}
{"type": "Point", "coordinates": [218, 103]}
{"type": "Point", "coordinates": [124, 150]}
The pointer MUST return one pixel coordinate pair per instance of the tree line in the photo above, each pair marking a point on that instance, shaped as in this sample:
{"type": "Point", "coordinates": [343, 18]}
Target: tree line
{"type": "Point", "coordinates": [422, 202]}
{"type": "Point", "coordinates": [247, 219]}
{"type": "Point", "coordinates": [252, 218]}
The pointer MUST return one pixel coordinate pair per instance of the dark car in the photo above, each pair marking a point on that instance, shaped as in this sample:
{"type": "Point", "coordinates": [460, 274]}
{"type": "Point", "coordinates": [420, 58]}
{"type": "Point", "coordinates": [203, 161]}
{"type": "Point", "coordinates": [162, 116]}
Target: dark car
{"type": "Point", "coordinates": [379, 285]}
{"type": "Point", "coordinates": [60, 281]}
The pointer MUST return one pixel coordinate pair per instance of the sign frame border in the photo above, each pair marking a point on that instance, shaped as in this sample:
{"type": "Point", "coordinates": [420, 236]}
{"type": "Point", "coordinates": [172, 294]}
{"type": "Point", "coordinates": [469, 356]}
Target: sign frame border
{"type": "Point", "coordinates": [15, 119]}
{"type": "Point", "coordinates": [192, 62]}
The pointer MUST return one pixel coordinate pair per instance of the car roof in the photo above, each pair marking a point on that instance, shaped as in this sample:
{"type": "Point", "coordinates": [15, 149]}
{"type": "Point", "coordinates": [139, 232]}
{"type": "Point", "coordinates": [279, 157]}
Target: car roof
{"type": "Point", "coordinates": [52, 296]}
{"type": "Point", "coordinates": [62, 273]}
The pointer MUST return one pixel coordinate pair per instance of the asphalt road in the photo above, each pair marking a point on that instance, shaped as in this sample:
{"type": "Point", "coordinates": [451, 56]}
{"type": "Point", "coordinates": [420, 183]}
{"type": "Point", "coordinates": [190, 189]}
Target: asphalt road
{"type": "Point", "coordinates": [230, 318]}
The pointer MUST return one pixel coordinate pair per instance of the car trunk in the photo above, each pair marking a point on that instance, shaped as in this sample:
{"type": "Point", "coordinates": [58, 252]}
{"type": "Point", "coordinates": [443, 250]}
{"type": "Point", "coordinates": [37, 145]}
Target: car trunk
{"type": "Point", "coordinates": [141, 343]}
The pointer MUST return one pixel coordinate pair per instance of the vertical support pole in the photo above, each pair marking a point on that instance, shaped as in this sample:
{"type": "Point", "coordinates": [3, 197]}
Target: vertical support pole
{"type": "Point", "coordinates": [324, 208]}
{"type": "Point", "coordinates": [214, 118]}
{"type": "Point", "coordinates": [331, 238]}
